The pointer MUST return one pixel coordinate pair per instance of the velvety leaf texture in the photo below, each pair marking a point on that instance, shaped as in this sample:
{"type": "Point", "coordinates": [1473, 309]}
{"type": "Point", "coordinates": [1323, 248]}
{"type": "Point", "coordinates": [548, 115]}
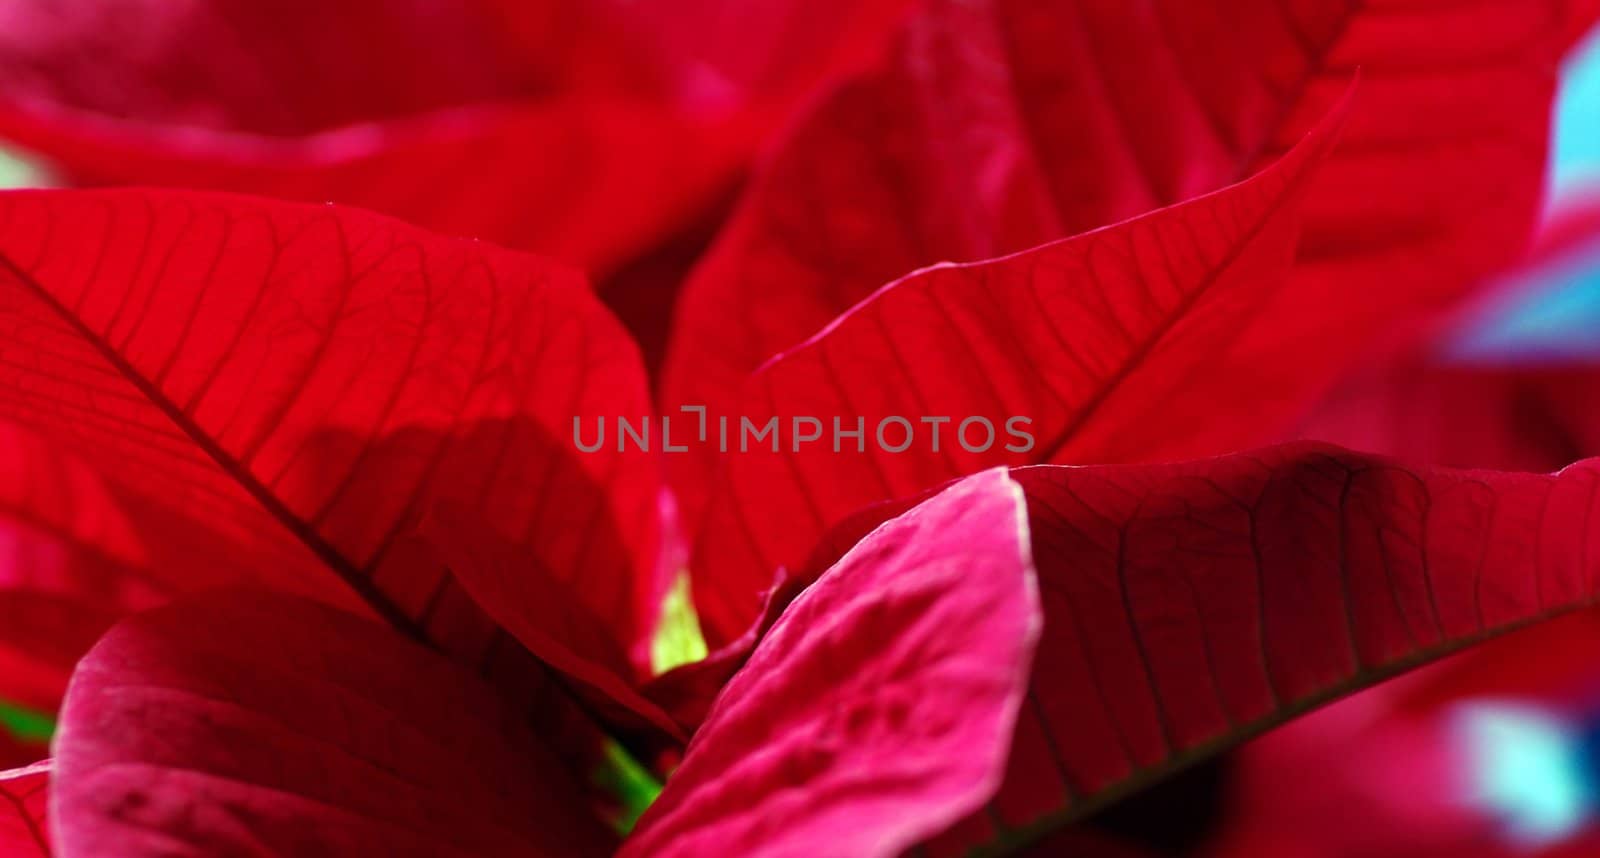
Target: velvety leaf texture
{"type": "Point", "coordinates": [247, 723]}
{"type": "Point", "coordinates": [1189, 606]}
{"type": "Point", "coordinates": [999, 124]}
{"type": "Point", "coordinates": [1088, 338]}
{"type": "Point", "coordinates": [879, 708]}
{"type": "Point", "coordinates": [306, 380]}
{"type": "Point", "coordinates": [24, 829]}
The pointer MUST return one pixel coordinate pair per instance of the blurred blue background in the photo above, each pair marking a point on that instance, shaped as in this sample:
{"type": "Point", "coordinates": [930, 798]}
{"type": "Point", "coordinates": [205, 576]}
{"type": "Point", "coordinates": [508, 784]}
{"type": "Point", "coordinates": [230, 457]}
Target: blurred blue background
{"type": "Point", "coordinates": [1577, 138]}
{"type": "Point", "coordinates": [1555, 310]}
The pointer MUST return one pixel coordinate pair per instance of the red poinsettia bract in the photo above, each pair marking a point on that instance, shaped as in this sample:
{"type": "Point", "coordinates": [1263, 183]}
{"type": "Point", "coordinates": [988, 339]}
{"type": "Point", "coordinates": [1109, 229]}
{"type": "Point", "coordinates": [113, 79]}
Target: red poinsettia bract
{"type": "Point", "coordinates": [303, 532]}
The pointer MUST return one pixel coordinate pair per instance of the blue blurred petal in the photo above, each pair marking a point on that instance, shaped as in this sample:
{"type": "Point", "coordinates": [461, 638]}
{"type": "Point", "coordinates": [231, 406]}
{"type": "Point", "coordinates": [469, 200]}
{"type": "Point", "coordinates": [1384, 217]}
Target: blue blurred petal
{"type": "Point", "coordinates": [1576, 159]}
{"type": "Point", "coordinates": [1527, 770]}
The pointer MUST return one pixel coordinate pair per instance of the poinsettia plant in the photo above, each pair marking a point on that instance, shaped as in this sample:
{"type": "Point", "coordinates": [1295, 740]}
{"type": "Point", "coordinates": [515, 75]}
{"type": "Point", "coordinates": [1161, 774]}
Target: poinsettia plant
{"type": "Point", "coordinates": [983, 486]}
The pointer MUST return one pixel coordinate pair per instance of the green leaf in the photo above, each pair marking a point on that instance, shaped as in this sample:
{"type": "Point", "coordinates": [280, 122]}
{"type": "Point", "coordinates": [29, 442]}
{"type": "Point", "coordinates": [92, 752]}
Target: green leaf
{"type": "Point", "coordinates": [26, 724]}
{"type": "Point", "coordinates": [631, 784]}
{"type": "Point", "coordinates": [678, 640]}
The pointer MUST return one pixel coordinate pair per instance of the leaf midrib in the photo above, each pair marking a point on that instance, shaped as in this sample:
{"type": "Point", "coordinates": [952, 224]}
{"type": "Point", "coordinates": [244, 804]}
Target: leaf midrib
{"type": "Point", "coordinates": [1011, 839]}
{"type": "Point", "coordinates": [324, 550]}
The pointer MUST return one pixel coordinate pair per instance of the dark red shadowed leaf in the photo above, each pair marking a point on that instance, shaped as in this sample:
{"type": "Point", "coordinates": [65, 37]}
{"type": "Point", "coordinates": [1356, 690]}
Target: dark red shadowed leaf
{"type": "Point", "coordinates": [249, 722]}
{"type": "Point", "coordinates": [78, 552]}
{"type": "Point", "coordinates": [1536, 417]}
{"type": "Point", "coordinates": [643, 292]}
{"type": "Point", "coordinates": [569, 177]}
{"type": "Point", "coordinates": [1475, 396]}
{"type": "Point", "coordinates": [70, 564]}
{"type": "Point", "coordinates": [1090, 338]}
{"type": "Point", "coordinates": [1191, 606]}
{"type": "Point", "coordinates": [1085, 843]}
{"type": "Point", "coordinates": [538, 125]}
{"type": "Point", "coordinates": [879, 708]}
{"type": "Point", "coordinates": [306, 380]}
{"type": "Point", "coordinates": [24, 828]}
{"type": "Point", "coordinates": [876, 181]}
{"type": "Point", "coordinates": [1563, 676]}
{"type": "Point", "coordinates": [16, 752]}
{"type": "Point", "coordinates": [1000, 124]}
{"type": "Point", "coordinates": [768, 53]}
{"type": "Point", "coordinates": [544, 613]}
{"type": "Point", "coordinates": [1408, 754]}
{"type": "Point", "coordinates": [298, 67]}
